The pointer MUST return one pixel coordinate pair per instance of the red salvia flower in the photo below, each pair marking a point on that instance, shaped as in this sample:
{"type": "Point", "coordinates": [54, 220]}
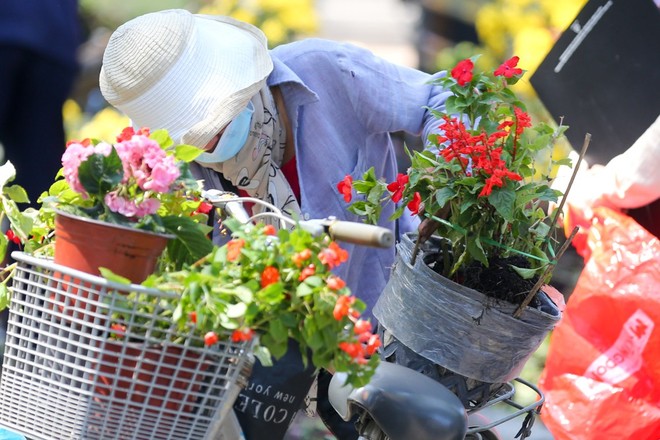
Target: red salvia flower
{"type": "Point", "coordinates": [119, 330]}
{"type": "Point", "coordinates": [373, 344]}
{"type": "Point", "coordinates": [523, 120]}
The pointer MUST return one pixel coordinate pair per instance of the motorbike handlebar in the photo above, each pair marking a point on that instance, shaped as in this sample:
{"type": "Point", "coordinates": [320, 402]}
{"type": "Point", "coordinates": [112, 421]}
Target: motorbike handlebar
{"type": "Point", "coordinates": [340, 230]}
{"type": "Point", "coordinates": [360, 233]}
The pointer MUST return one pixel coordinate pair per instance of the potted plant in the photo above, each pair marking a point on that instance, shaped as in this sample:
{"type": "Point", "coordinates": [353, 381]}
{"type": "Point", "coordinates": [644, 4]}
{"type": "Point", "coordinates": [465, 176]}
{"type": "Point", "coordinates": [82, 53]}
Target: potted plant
{"type": "Point", "coordinates": [190, 321]}
{"type": "Point", "coordinates": [115, 206]}
{"type": "Point", "coordinates": [485, 245]}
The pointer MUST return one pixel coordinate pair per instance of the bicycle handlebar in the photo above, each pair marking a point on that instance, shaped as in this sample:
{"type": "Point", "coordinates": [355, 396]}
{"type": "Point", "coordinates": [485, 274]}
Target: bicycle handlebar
{"type": "Point", "coordinates": [351, 232]}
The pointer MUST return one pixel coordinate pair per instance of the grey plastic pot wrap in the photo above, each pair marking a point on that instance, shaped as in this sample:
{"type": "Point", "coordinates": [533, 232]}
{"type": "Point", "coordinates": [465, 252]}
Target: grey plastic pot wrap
{"type": "Point", "coordinates": [457, 327]}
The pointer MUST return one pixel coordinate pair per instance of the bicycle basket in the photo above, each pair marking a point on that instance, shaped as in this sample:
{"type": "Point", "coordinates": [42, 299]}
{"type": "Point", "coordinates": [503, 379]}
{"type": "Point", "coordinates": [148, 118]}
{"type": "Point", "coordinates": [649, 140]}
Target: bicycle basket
{"type": "Point", "coordinates": [81, 361]}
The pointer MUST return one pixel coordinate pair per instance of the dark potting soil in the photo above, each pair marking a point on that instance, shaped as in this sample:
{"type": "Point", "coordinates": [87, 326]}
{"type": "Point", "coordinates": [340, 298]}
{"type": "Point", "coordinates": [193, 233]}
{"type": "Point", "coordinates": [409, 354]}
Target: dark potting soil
{"type": "Point", "coordinates": [499, 281]}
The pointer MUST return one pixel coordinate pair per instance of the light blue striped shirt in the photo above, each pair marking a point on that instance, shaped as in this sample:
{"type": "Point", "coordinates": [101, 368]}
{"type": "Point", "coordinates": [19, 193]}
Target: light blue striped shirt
{"type": "Point", "coordinates": [343, 102]}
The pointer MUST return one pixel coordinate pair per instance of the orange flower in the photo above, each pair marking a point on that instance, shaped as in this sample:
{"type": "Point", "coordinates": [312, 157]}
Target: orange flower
{"type": "Point", "coordinates": [242, 335]}
{"type": "Point", "coordinates": [234, 249]}
{"type": "Point", "coordinates": [343, 306]}
{"type": "Point", "coordinates": [270, 230]}
{"type": "Point", "coordinates": [269, 276]}
{"type": "Point", "coordinates": [210, 338]}
{"type": "Point", "coordinates": [335, 283]}
{"type": "Point", "coordinates": [307, 272]}
{"type": "Point", "coordinates": [300, 257]}
{"type": "Point", "coordinates": [333, 255]}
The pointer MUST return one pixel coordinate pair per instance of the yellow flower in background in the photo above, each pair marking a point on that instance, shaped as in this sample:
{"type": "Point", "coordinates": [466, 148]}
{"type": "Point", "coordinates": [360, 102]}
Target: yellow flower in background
{"type": "Point", "coordinates": [281, 20]}
{"type": "Point", "coordinates": [532, 45]}
{"type": "Point", "coordinates": [103, 125]}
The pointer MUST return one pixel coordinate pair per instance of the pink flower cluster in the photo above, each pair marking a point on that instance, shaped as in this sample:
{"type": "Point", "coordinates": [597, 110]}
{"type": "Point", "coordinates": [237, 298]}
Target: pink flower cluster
{"type": "Point", "coordinates": [147, 163]}
{"type": "Point", "coordinates": [147, 170]}
{"type": "Point", "coordinates": [75, 154]}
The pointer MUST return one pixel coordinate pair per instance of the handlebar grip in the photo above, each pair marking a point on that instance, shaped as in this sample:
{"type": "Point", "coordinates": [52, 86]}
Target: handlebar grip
{"type": "Point", "coordinates": [360, 233]}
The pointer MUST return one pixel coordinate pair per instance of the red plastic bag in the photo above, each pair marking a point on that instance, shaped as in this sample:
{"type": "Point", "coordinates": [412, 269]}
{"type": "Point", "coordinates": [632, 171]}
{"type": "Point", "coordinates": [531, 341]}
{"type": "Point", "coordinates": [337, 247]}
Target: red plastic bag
{"type": "Point", "coordinates": [602, 374]}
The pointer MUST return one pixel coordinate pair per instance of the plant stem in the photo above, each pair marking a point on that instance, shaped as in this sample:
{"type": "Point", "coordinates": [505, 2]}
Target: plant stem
{"type": "Point", "coordinates": [548, 269]}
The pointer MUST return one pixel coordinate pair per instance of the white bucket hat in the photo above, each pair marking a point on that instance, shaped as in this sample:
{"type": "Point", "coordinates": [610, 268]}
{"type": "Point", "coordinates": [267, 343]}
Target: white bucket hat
{"type": "Point", "coordinates": [190, 74]}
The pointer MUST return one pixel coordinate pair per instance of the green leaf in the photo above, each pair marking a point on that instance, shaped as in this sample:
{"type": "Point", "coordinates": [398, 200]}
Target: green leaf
{"type": "Point", "coordinates": [7, 173]}
{"type": "Point", "coordinates": [162, 137]}
{"type": "Point", "coordinates": [4, 243]}
{"type": "Point", "coordinates": [503, 199]}
{"type": "Point", "coordinates": [277, 349]}
{"type": "Point", "coordinates": [476, 250]}
{"type": "Point", "coordinates": [5, 296]}
{"type": "Point", "coordinates": [304, 289]}
{"type": "Point", "coordinates": [244, 294]}
{"type": "Point", "coordinates": [17, 194]}
{"type": "Point", "coordinates": [98, 174]}
{"type": "Point", "coordinates": [236, 310]}
{"type": "Point", "coordinates": [187, 153]}
{"type": "Point", "coordinates": [111, 276]}
{"type": "Point", "coordinates": [566, 161]}
{"type": "Point", "coordinates": [190, 243]}
{"type": "Point", "coordinates": [443, 195]}
{"type": "Point", "coordinates": [263, 354]}
{"type": "Point", "coordinates": [524, 273]}
{"type": "Point", "coordinates": [278, 331]}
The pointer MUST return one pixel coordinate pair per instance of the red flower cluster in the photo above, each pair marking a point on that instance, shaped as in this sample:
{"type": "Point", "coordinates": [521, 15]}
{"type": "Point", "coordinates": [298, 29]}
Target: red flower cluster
{"type": "Point", "coordinates": [343, 307]}
{"type": "Point", "coordinates": [479, 153]}
{"type": "Point", "coordinates": [366, 345]}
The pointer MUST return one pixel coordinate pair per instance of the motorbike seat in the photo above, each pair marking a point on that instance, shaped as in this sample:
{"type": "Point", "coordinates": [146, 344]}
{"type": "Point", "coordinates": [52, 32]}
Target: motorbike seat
{"type": "Point", "coordinates": [404, 403]}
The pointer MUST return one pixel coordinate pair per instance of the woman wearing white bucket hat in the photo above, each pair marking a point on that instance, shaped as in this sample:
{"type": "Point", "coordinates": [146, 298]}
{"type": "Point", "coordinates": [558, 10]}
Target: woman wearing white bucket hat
{"type": "Point", "coordinates": [284, 125]}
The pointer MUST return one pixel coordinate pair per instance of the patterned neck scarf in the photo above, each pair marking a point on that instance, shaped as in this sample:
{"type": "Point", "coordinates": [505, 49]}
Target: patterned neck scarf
{"type": "Point", "coordinates": [256, 167]}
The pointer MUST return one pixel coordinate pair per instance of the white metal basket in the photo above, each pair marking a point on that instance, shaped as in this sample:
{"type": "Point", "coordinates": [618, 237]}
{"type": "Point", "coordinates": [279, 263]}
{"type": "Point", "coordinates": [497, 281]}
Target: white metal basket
{"type": "Point", "coordinates": [70, 372]}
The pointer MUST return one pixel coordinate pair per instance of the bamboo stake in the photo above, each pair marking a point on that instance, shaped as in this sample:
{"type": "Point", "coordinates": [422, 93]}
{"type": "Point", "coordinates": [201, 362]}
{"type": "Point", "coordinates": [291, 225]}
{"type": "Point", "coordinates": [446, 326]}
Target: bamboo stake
{"type": "Point", "coordinates": [560, 208]}
{"type": "Point", "coordinates": [549, 268]}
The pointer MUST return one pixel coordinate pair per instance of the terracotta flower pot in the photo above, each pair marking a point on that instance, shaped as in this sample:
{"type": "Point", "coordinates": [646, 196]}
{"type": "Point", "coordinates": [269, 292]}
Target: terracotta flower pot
{"type": "Point", "coordinates": [86, 244]}
{"type": "Point", "coordinates": [150, 376]}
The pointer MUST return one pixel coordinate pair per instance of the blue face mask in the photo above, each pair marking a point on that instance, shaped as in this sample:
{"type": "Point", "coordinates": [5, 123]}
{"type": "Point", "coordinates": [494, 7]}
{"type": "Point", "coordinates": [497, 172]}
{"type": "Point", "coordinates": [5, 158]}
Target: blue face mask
{"type": "Point", "coordinates": [232, 139]}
